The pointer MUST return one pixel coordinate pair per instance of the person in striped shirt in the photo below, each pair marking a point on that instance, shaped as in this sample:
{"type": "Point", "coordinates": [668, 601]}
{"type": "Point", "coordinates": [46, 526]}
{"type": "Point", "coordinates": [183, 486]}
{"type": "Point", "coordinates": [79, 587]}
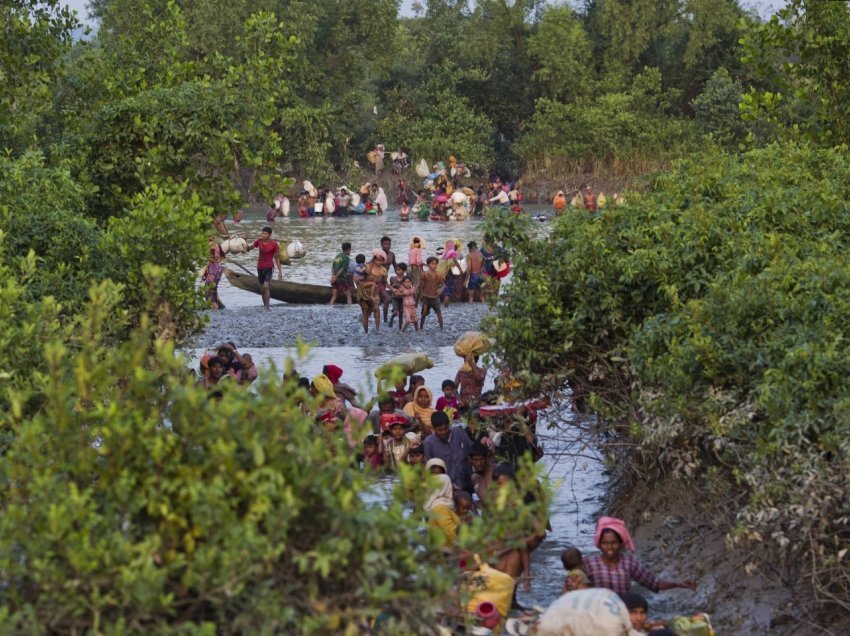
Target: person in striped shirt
{"type": "Point", "coordinates": [615, 569]}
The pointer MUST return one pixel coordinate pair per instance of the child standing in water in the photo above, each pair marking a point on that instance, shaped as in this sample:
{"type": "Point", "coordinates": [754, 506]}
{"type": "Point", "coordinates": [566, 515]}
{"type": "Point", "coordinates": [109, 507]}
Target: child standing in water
{"type": "Point", "coordinates": [408, 295]}
{"type": "Point", "coordinates": [396, 284]}
{"type": "Point", "coordinates": [211, 277]}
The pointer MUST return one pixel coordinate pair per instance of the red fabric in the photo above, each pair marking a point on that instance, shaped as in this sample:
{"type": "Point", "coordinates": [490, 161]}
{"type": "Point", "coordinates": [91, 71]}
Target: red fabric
{"type": "Point", "coordinates": [333, 372]}
{"type": "Point", "coordinates": [388, 419]}
{"type": "Point", "coordinates": [267, 252]}
{"type": "Point", "coordinates": [618, 526]}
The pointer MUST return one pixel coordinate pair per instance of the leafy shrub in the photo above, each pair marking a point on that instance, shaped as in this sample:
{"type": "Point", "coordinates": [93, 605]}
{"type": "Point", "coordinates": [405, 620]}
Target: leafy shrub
{"type": "Point", "coordinates": [156, 248]}
{"type": "Point", "coordinates": [137, 503]}
{"type": "Point", "coordinates": [707, 315]}
{"type": "Point", "coordinates": [625, 130]}
{"type": "Point", "coordinates": [716, 109]}
{"type": "Point", "coordinates": [435, 121]}
{"type": "Point", "coordinates": [42, 209]}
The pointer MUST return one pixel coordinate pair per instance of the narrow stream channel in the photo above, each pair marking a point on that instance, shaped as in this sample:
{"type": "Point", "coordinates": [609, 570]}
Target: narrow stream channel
{"type": "Point", "coordinates": [574, 470]}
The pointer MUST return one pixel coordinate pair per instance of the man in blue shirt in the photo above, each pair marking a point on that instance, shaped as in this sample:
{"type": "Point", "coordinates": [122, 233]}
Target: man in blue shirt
{"type": "Point", "coordinates": [452, 445]}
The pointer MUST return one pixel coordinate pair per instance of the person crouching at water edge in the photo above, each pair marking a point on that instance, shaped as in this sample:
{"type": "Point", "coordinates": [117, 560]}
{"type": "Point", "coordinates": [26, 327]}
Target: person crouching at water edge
{"type": "Point", "coordinates": [269, 257]}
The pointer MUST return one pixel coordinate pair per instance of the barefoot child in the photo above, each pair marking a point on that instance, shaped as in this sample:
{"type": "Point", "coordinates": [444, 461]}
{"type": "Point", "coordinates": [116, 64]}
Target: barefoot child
{"type": "Point", "coordinates": [395, 289]}
{"type": "Point", "coordinates": [408, 296]}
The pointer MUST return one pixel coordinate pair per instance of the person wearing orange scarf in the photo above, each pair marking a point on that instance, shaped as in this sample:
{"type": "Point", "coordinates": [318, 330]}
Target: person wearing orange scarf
{"type": "Point", "coordinates": [420, 409]}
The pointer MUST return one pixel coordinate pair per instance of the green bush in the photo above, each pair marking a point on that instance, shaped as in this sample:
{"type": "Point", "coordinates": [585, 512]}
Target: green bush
{"type": "Point", "coordinates": [134, 503]}
{"type": "Point", "coordinates": [625, 130]}
{"type": "Point", "coordinates": [42, 209]}
{"type": "Point", "coordinates": [156, 249]}
{"type": "Point", "coordinates": [708, 316]}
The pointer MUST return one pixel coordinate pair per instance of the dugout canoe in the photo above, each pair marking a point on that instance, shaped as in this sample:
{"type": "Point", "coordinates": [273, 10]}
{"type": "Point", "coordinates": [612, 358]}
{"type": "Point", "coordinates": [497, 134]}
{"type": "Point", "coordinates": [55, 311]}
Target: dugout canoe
{"type": "Point", "coordinates": [284, 290]}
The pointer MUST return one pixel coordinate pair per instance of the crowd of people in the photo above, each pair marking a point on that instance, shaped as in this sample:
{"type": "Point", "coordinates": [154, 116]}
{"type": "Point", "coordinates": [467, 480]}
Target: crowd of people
{"type": "Point", "coordinates": [473, 450]}
{"type": "Point", "coordinates": [407, 292]}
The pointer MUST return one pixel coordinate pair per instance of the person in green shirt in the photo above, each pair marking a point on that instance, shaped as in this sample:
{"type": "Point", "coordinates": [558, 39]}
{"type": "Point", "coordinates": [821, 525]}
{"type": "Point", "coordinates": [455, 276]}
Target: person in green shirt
{"type": "Point", "coordinates": [340, 276]}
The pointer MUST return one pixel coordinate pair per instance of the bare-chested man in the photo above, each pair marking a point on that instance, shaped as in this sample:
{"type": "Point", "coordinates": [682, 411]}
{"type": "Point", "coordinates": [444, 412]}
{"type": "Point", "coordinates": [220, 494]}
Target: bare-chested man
{"type": "Point", "coordinates": [476, 272]}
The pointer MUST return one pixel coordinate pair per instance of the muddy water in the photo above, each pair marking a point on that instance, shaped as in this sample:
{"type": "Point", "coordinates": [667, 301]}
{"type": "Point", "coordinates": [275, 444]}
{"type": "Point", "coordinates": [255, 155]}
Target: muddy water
{"type": "Point", "coordinates": [270, 336]}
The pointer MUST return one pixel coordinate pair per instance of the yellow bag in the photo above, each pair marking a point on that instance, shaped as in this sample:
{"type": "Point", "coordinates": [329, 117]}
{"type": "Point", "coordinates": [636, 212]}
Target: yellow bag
{"type": "Point", "coordinates": [601, 200]}
{"type": "Point", "coordinates": [471, 344]}
{"type": "Point", "coordinates": [577, 201]}
{"type": "Point", "coordinates": [488, 584]}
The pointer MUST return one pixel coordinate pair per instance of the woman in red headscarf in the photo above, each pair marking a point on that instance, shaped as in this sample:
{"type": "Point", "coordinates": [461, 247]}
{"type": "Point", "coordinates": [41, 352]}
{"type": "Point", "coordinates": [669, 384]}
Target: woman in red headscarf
{"type": "Point", "coordinates": [614, 569]}
{"type": "Point", "coordinates": [342, 390]}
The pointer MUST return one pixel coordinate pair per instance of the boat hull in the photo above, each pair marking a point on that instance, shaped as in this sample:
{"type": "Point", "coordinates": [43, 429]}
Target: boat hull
{"type": "Point", "coordinates": [284, 291]}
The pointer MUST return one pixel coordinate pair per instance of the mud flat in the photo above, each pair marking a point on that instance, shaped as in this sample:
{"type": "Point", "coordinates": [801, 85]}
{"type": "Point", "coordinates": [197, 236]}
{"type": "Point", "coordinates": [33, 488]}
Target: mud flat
{"type": "Point", "coordinates": [282, 325]}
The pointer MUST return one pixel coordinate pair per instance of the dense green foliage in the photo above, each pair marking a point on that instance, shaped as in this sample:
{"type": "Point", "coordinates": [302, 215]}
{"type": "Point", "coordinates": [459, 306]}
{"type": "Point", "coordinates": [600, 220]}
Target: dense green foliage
{"type": "Point", "coordinates": [801, 56]}
{"type": "Point", "coordinates": [627, 131]}
{"type": "Point", "coordinates": [231, 96]}
{"type": "Point", "coordinates": [707, 316]}
{"type": "Point", "coordinates": [705, 319]}
{"type": "Point", "coordinates": [135, 503]}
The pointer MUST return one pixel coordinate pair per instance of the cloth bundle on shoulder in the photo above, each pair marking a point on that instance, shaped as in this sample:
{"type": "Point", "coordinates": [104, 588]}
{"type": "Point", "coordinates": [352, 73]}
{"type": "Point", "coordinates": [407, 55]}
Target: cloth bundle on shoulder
{"type": "Point", "coordinates": [601, 200]}
{"type": "Point", "coordinates": [471, 344]}
{"type": "Point", "coordinates": [409, 363]}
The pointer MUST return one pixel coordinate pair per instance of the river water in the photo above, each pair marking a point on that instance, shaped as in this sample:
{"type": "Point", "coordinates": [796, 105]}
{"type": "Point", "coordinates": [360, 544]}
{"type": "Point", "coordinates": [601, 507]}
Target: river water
{"type": "Point", "coordinates": [270, 337]}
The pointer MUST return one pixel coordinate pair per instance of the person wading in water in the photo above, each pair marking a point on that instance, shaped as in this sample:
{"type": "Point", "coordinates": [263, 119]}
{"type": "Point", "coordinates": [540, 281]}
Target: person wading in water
{"type": "Point", "coordinates": [269, 257]}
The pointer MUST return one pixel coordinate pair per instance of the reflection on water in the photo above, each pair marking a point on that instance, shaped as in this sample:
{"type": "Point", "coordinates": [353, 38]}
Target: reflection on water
{"type": "Point", "coordinates": [575, 470]}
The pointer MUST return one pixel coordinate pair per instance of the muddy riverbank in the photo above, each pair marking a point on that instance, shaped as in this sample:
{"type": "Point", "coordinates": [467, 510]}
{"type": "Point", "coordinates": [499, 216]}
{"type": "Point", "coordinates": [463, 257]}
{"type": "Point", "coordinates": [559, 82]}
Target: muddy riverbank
{"type": "Point", "coordinates": [282, 325]}
{"type": "Point", "coordinates": [675, 537]}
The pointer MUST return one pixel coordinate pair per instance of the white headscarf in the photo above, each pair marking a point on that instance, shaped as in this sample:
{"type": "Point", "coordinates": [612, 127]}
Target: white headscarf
{"type": "Point", "coordinates": [442, 495]}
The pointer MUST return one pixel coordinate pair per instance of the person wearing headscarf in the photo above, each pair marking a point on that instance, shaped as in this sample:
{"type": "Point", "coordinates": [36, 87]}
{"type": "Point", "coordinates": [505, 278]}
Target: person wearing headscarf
{"type": "Point", "coordinates": [615, 569]}
{"type": "Point", "coordinates": [368, 289]}
{"type": "Point", "coordinates": [415, 259]}
{"type": "Point", "coordinates": [419, 408]}
{"type": "Point", "coordinates": [330, 407]}
{"type": "Point", "coordinates": [443, 521]}
{"type": "Point", "coordinates": [448, 260]}
{"type": "Point", "coordinates": [342, 390]}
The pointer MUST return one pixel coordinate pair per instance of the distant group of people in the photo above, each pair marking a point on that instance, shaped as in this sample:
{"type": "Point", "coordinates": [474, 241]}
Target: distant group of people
{"type": "Point", "coordinates": [398, 158]}
{"type": "Point", "coordinates": [429, 282]}
{"type": "Point", "coordinates": [584, 198]}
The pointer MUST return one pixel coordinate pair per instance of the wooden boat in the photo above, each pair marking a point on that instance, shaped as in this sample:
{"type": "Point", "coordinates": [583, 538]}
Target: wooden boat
{"type": "Point", "coordinates": [283, 290]}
